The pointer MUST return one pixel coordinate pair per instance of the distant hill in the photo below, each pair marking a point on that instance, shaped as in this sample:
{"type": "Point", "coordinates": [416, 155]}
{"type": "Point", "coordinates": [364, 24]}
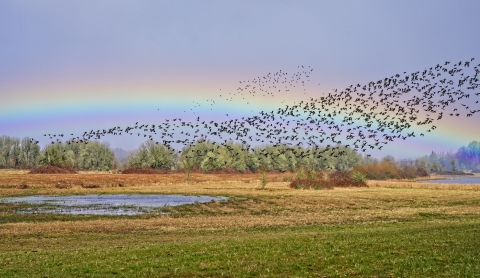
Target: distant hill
{"type": "Point", "coordinates": [121, 154]}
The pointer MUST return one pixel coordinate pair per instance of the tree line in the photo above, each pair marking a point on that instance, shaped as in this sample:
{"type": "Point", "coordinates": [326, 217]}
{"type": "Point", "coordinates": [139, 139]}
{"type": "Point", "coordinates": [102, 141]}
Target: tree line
{"type": "Point", "coordinates": [208, 156]}
{"type": "Point", "coordinates": [25, 154]}
{"type": "Point", "coordinates": [92, 156]}
{"type": "Point", "coordinates": [466, 158]}
{"type": "Point", "coordinates": [205, 155]}
{"type": "Point", "coordinates": [18, 153]}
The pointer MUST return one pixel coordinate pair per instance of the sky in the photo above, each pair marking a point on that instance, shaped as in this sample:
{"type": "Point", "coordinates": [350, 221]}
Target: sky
{"type": "Point", "coordinates": [74, 66]}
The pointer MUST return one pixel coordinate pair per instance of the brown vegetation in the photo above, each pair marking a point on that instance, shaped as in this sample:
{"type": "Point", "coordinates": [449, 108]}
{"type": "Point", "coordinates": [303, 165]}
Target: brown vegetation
{"type": "Point", "coordinates": [248, 206]}
{"type": "Point", "coordinates": [13, 179]}
{"type": "Point", "coordinates": [47, 169]}
{"type": "Point", "coordinates": [325, 180]}
{"type": "Point", "coordinates": [310, 184]}
{"type": "Point", "coordinates": [386, 170]}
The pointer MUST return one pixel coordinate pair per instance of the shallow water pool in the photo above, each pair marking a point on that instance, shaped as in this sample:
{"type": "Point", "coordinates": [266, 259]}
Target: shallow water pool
{"type": "Point", "coordinates": [106, 204]}
{"type": "Point", "coordinates": [456, 180]}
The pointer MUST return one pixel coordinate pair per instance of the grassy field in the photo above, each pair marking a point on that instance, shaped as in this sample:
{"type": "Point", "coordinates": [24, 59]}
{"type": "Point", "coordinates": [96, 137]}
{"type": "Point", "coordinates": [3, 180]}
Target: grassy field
{"type": "Point", "coordinates": [400, 229]}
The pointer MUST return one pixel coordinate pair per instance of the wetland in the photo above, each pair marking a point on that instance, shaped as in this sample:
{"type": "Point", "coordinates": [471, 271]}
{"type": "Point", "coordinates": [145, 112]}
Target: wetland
{"type": "Point", "coordinates": [390, 228]}
{"type": "Point", "coordinates": [105, 204]}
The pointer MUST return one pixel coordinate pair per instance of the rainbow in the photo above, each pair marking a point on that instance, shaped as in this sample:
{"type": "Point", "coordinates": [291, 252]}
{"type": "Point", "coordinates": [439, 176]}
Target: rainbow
{"type": "Point", "coordinates": [75, 105]}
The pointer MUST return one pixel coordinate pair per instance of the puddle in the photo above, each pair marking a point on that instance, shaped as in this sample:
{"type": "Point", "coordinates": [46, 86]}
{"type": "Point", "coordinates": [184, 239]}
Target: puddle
{"type": "Point", "coordinates": [106, 204]}
{"type": "Point", "coordinates": [455, 180]}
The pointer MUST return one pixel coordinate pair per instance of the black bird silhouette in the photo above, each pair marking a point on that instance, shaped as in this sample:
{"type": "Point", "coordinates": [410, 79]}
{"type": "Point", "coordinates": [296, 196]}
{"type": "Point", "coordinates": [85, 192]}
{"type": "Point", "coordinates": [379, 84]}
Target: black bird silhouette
{"type": "Point", "coordinates": [364, 116]}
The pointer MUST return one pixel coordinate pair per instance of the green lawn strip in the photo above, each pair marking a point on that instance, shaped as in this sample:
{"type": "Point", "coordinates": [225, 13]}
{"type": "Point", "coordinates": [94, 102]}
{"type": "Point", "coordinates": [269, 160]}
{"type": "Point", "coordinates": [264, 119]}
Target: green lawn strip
{"type": "Point", "coordinates": [440, 248]}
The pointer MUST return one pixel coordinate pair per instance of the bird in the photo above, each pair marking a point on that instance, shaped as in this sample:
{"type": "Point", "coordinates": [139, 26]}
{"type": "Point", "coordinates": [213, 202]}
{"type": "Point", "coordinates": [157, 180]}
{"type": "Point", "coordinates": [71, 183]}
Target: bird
{"type": "Point", "coordinates": [388, 107]}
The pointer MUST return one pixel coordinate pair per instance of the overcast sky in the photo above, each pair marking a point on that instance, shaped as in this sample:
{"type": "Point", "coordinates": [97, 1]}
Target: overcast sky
{"type": "Point", "coordinates": [71, 66]}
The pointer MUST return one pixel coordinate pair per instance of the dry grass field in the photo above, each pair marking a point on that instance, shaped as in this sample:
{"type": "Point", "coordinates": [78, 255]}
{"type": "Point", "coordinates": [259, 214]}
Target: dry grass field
{"type": "Point", "coordinates": [277, 209]}
{"type": "Point", "coordinates": [249, 205]}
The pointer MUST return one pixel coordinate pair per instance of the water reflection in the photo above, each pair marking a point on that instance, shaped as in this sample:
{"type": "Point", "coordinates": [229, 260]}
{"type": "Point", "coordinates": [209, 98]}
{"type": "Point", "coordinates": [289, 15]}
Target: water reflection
{"type": "Point", "coordinates": [106, 204]}
{"type": "Point", "coordinates": [456, 180]}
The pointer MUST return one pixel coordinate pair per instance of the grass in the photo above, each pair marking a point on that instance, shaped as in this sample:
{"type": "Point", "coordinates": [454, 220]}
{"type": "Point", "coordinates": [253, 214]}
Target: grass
{"type": "Point", "coordinates": [399, 229]}
{"type": "Point", "coordinates": [439, 248]}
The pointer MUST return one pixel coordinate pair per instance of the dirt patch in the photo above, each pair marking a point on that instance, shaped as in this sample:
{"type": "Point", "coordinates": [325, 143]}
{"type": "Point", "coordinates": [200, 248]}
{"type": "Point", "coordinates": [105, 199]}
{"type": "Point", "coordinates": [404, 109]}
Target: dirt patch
{"type": "Point", "coordinates": [51, 170]}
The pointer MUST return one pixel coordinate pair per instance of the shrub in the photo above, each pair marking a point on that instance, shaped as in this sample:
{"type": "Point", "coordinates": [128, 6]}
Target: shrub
{"type": "Point", "coordinates": [263, 170]}
{"type": "Point", "coordinates": [310, 184]}
{"type": "Point", "coordinates": [300, 173]}
{"type": "Point", "coordinates": [340, 179]}
{"type": "Point", "coordinates": [422, 172]}
{"type": "Point", "coordinates": [263, 180]}
{"type": "Point", "coordinates": [330, 180]}
{"type": "Point", "coordinates": [380, 171]}
{"type": "Point", "coordinates": [312, 173]}
{"type": "Point", "coordinates": [390, 170]}
{"type": "Point", "coordinates": [359, 178]}
{"type": "Point", "coordinates": [409, 172]}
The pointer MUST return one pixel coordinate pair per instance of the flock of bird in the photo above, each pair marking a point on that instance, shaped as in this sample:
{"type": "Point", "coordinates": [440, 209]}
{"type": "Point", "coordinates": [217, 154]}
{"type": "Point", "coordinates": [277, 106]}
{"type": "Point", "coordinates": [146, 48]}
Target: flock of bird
{"type": "Point", "coordinates": [362, 116]}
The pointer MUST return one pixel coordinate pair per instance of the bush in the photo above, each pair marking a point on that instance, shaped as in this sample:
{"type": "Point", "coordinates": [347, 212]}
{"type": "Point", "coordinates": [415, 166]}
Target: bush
{"type": "Point", "coordinates": [409, 172]}
{"type": "Point", "coordinates": [359, 178]}
{"type": "Point", "coordinates": [310, 184]}
{"type": "Point", "coordinates": [263, 170]}
{"type": "Point", "coordinates": [329, 180]}
{"type": "Point", "coordinates": [422, 172]}
{"type": "Point", "coordinates": [341, 179]}
{"type": "Point", "coordinates": [390, 170]}
{"type": "Point", "coordinates": [300, 173]}
{"type": "Point", "coordinates": [380, 171]}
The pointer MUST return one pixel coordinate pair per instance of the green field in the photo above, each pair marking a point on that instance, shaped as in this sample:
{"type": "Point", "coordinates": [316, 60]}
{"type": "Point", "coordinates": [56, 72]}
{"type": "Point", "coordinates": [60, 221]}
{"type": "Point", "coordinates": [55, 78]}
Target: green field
{"type": "Point", "coordinates": [429, 248]}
